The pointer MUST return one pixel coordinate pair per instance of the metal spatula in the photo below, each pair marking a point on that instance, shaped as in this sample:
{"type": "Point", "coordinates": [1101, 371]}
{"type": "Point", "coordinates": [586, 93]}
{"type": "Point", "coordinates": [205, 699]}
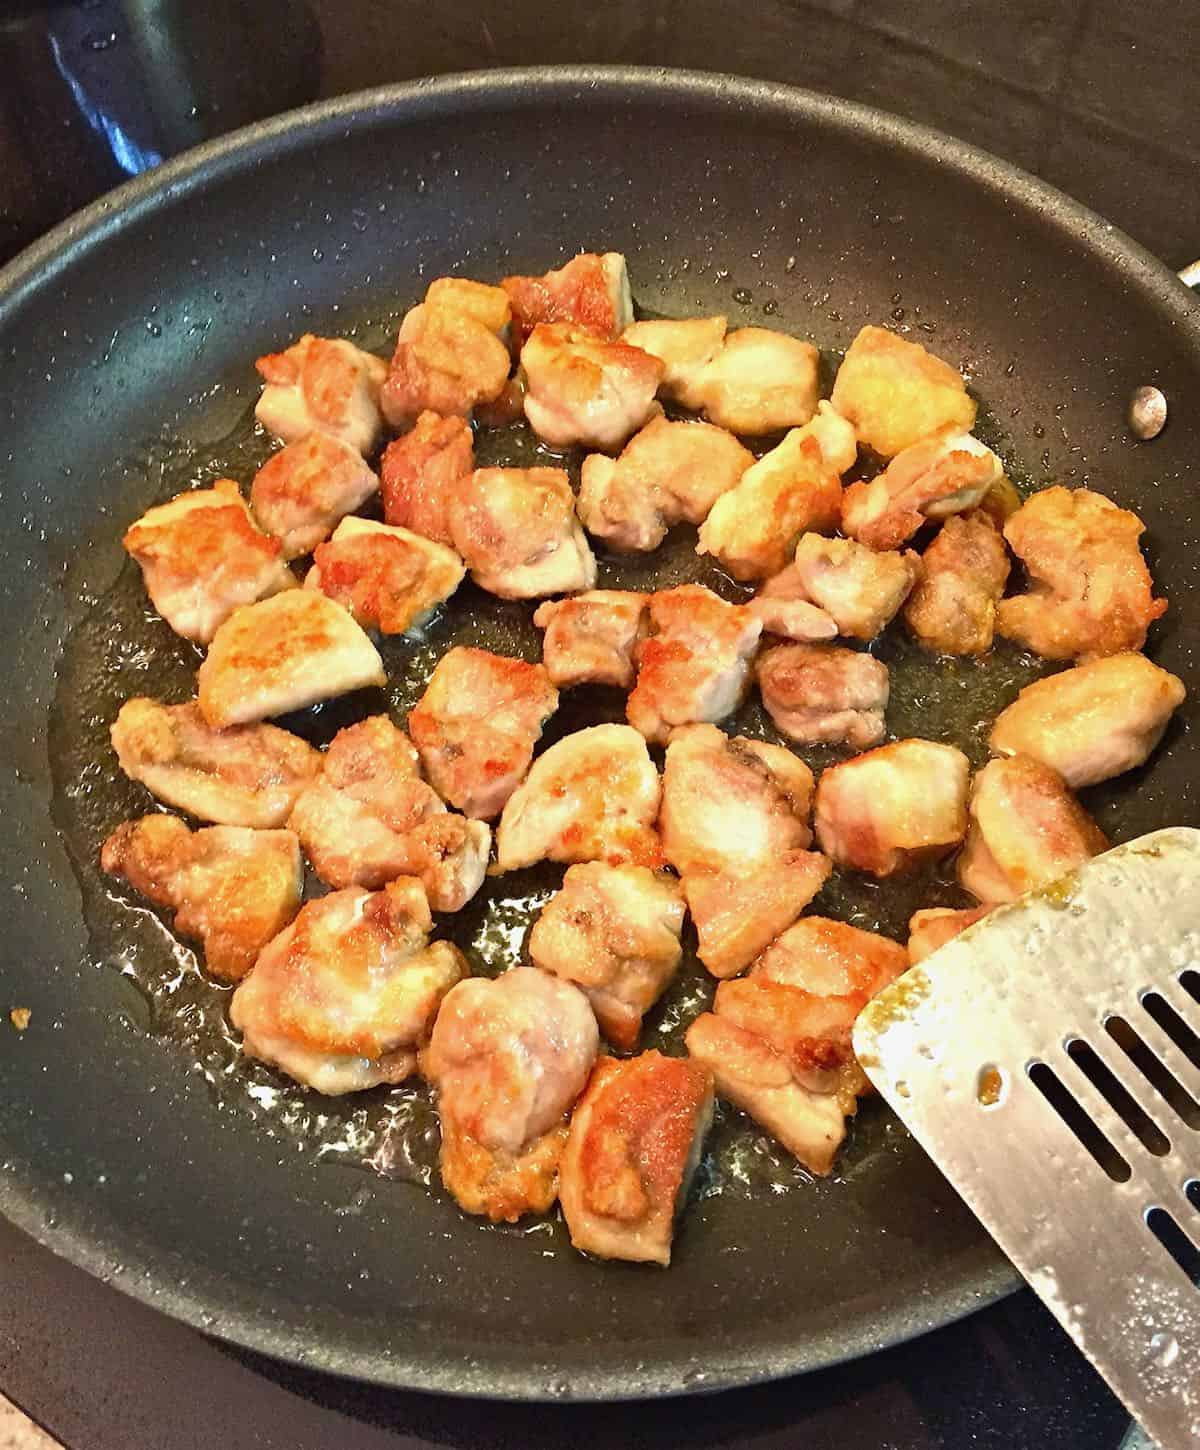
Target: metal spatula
{"type": "Point", "coordinates": [1048, 1060]}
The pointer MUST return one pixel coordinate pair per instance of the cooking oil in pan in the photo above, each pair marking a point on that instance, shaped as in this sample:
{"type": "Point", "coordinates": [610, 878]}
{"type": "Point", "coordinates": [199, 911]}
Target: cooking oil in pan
{"type": "Point", "coordinates": [120, 648]}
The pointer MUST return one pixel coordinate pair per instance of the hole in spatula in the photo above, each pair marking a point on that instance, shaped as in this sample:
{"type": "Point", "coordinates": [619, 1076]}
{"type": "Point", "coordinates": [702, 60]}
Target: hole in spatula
{"type": "Point", "coordinates": [1160, 1078]}
{"type": "Point", "coordinates": [1173, 1025]}
{"type": "Point", "coordinates": [1047, 1082]}
{"type": "Point", "coordinates": [1175, 1241]}
{"type": "Point", "coordinates": [1119, 1099]}
{"type": "Point", "coordinates": [1191, 984]}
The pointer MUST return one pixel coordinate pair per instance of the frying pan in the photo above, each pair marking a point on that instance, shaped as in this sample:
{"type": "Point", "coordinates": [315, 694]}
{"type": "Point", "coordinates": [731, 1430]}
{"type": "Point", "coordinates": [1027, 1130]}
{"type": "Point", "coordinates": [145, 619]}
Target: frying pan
{"type": "Point", "coordinates": [125, 340]}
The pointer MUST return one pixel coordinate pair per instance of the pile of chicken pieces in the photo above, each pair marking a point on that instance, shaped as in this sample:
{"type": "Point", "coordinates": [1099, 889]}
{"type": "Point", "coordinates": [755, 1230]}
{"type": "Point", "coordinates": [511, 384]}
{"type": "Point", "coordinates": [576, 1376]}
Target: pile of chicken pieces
{"type": "Point", "coordinates": [346, 990]}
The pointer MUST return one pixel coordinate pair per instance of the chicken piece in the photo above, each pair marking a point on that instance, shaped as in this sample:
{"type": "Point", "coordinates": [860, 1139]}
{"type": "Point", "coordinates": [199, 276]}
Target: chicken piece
{"type": "Point", "coordinates": [418, 472]}
{"type": "Point", "coordinates": [684, 348]}
{"type": "Point", "coordinates": [591, 291]}
{"type": "Point", "coordinates": [345, 998]}
{"type": "Point", "coordinates": [785, 609]}
{"type": "Point", "coordinates": [758, 382]}
{"type": "Point", "coordinates": [283, 654]}
{"type": "Point", "coordinates": [1091, 593]}
{"type": "Point", "coordinates": [302, 491]}
{"type": "Point", "coordinates": [593, 796]}
{"type": "Point", "coordinates": [591, 639]}
{"type": "Point", "coordinates": [1026, 830]}
{"type": "Point", "coordinates": [476, 725]}
{"type": "Point", "coordinates": [778, 1043]}
{"type": "Point", "coordinates": [202, 556]}
{"type": "Point", "coordinates": [516, 528]}
{"type": "Point", "coordinates": [735, 826]}
{"type": "Point", "coordinates": [446, 361]}
{"type": "Point", "coordinates": [613, 931]}
{"type": "Point", "coordinates": [752, 530]}
{"type": "Point", "coordinates": [231, 888]}
{"type": "Point", "coordinates": [934, 926]}
{"type": "Point", "coordinates": [895, 393]}
{"type": "Point", "coordinates": [370, 818]}
{"type": "Point", "coordinates": [488, 305]}
{"type": "Point", "coordinates": [822, 694]}
{"type": "Point", "coordinates": [579, 389]}
{"type": "Point", "coordinates": [963, 572]}
{"type": "Point", "coordinates": [894, 807]}
{"type": "Point", "coordinates": [635, 1143]}
{"type": "Point", "coordinates": [947, 474]}
{"type": "Point", "coordinates": [835, 437]}
{"type": "Point", "coordinates": [667, 474]}
{"type": "Point", "coordinates": [508, 1057]}
{"type": "Point", "coordinates": [1091, 722]}
{"type": "Point", "coordinates": [859, 588]}
{"type": "Point", "coordinates": [322, 385]}
{"type": "Point", "coordinates": [696, 664]}
{"type": "Point", "coordinates": [249, 775]}
{"type": "Point", "coordinates": [386, 578]}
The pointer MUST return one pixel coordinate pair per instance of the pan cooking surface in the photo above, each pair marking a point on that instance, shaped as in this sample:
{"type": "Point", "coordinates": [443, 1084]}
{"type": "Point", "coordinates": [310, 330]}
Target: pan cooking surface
{"type": "Point", "coordinates": [131, 1134]}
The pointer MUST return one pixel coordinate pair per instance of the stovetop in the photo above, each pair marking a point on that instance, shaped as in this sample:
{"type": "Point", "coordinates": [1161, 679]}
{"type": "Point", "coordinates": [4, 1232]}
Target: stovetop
{"type": "Point", "coordinates": [1093, 95]}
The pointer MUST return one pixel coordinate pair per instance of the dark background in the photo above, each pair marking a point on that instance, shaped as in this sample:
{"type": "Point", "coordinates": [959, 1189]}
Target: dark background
{"type": "Point", "coordinates": [1097, 96]}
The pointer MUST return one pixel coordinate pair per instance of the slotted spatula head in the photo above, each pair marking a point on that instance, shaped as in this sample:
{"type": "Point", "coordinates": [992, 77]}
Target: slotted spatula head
{"type": "Point", "coordinates": [1048, 1060]}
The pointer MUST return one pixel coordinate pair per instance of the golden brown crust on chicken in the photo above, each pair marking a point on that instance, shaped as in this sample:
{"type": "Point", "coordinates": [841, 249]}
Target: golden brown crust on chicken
{"type": "Point", "coordinates": [859, 588]}
{"type": "Point", "coordinates": [758, 381]}
{"type": "Point", "coordinates": [824, 694]}
{"type": "Point", "coordinates": [591, 639]}
{"type": "Point", "coordinates": [963, 572]}
{"type": "Point", "coordinates": [635, 1140]}
{"type": "Point", "coordinates": [418, 472]}
{"type": "Point", "coordinates": [231, 888]}
{"type": "Point", "coordinates": [894, 807]}
{"type": "Point", "coordinates": [1091, 722]}
{"type": "Point", "coordinates": [249, 775]}
{"type": "Point", "coordinates": [591, 291]}
{"type": "Point", "coordinates": [582, 389]}
{"type": "Point", "coordinates": [385, 578]}
{"type": "Point", "coordinates": [446, 361]}
{"type": "Point", "coordinates": [895, 393]}
{"type": "Point", "coordinates": [301, 492]}
{"type": "Point", "coordinates": [1091, 592]}
{"type": "Point", "coordinates": [321, 384]}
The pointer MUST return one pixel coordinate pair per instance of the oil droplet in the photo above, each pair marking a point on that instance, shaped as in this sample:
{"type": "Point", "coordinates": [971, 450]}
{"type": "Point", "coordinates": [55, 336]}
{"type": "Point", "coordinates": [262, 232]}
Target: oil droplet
{"type": "Point", "coordinates": [100, 40]}
{"type": "Point", "coordinates": [743, 295]}
{"type": "Point", "coordinates": [1164, 1350]}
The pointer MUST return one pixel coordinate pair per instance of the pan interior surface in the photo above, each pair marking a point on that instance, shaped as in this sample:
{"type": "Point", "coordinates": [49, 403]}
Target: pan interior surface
{"type": "Point", "coordinates": [128, 374]}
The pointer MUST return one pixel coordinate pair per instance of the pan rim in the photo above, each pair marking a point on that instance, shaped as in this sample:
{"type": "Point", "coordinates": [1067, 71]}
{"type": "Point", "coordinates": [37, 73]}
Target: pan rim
{"type": "Point", "coordinates": [195, 170]}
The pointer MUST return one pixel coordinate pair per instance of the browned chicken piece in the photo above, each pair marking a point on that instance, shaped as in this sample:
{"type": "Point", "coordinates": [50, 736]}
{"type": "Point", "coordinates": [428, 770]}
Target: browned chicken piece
{"type": "Point", "coordinates": [581, 389]}
{"type": "Point", "coordinates": [669, 473]}
{"type": "Point", "coordinates": [1026, 830]}
{"type": "Point", "coordinates": [963, 572]}
{"type": "Point", "coordinates": [636, 1139]}
{"type": "Point", "coordinates": [822, 694]}
{"type": "Point", "coordinates": [895, 393]}
{"type": "Point", "coordinates": [346, 997]}
{"type": "Point", "coordinates": [735, 826]}
{"type": "Point", "coordinates": [508, 1057]}
{"type": "Point", "coordinates": [1091, 722]}
{"type": "Point", "coordinates": [231, 888]}
{"type": "Point", "coordinates": [516, 528]}
{"type": "Point", "coordinates": [860, 589]}
{"type": "Point", "coordinates": [591, 639]}
{"type": "Point", "coordinates": [684, 348]}
{"type": "Point", "coordinates": [325, 385]}
{"type": "Point", "coordinates": [202, 556]}
{"type": "Point", "coordinates": [613, 931]}
{"type": "Point", "coordinates": [760, 381]}
{"type": "Point", "coordinates": [418, 472]}
{"type": "Point", "coordinates": [696, 663]}
{"type": "Point", "coordinates": [934, 926]}
{"type": "Point", "coordinates": [476, 725]}
{"type": "Point", "coordinates": [249, 775]}
{"type": "Point", "coordinates": [447, 359]}
{"type": "Point", "coordinates": [490, 306]}
{"type": "Point", "coordinates": [302, 491]}
{"type": "Point", "coordinates": [785, 609]}
{"type": "Point", "coordinates": [1091, 593]}
{"type": "Point", "coordinates": [593, 796]}
{"type": "Point", "coordinates": [752, 530]}
{"type": "Point", "coordinates": [591, 291]}
{"type": "Point", "coordinates": [947, 474]}
{"type": "Point", "coordinates": [386, 578]}
{"type": "Point", "coordinates": [370, 817]}
{"type": "Point", "coordinates": [778, 1042]}
{"type": "Point", "coordinates": [894, 807]}
{"type": "Point", "coordinates": [283, 654]}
